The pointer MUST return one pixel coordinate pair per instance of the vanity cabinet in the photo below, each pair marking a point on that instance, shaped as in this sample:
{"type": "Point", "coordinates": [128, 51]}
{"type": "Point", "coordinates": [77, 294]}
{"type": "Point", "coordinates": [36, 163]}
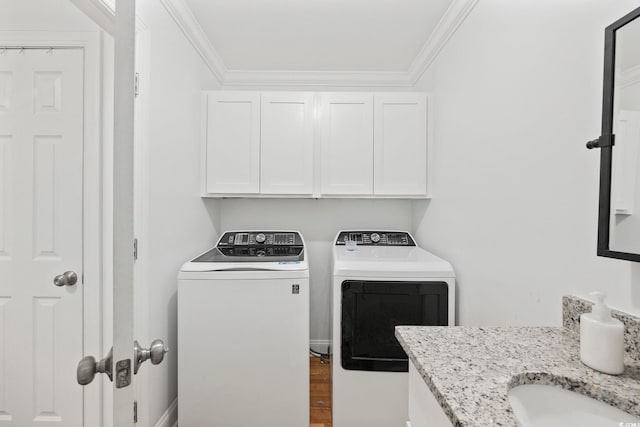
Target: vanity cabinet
{"type": "Point", "coordinates": [306, 144]}
{"type": "Point", "coordinates": [424, 409]}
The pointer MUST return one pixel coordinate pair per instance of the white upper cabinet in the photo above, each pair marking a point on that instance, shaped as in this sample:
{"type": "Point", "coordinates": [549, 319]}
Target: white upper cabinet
{"type": "Point", "coordinates": [287, 143]}
{"type": "Point", "coordinates": [400, 144]}
{"type": "Point", "coordinates": [306, 144]}
{"type": "Point", "coordinates": [232, 142]}
{"type": "Point", "coordinates": [346, 144]}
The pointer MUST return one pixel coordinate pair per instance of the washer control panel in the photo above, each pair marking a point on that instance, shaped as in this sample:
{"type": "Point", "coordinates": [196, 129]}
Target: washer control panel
{"type": "Point", "coordinates": [260, 244]}
{"type": "Point", "coordinates": [376, 238]}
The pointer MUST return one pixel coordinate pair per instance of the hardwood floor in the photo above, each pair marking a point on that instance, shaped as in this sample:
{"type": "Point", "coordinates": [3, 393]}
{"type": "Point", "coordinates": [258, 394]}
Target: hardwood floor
{"type": "Point", "coordinates": [320, 386]}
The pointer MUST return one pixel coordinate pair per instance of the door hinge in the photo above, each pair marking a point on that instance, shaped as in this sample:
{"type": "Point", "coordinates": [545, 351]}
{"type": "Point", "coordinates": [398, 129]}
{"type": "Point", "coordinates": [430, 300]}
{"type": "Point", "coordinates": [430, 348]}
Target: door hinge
{"type": "Point", "coordinates": [135, 411]}
{"type": "Point", "coordinates": [136, 84]}
{"type": "Point", "coordinates": [135, 249]}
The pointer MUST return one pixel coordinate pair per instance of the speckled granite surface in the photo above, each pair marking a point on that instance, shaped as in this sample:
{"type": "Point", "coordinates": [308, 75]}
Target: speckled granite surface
{"type": "Point", "coordinates": [470, 370]}
{"type": "Point", "coordinates": [573, 307]}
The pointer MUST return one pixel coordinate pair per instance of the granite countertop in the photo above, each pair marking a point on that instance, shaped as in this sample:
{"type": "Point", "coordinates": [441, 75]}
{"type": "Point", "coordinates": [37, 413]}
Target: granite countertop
{"type": "Point", "coordinates": [470, 369]}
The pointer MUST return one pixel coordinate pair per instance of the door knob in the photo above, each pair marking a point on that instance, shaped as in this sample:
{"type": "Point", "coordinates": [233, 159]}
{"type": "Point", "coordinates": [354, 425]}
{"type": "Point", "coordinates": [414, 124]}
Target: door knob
{"type": "Point", "coordinates": [88, 368]}
{"type": "Point", "coordinates": [68, 278]}
{"type": "Point", "coordinates": [156, 353]}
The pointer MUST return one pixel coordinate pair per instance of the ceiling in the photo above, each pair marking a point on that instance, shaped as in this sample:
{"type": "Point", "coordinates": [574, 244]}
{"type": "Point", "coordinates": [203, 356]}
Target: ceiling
{"type": "Point", "coordinates": [318, 35]}
{"type": "Point", "coordinates": [318, 42]}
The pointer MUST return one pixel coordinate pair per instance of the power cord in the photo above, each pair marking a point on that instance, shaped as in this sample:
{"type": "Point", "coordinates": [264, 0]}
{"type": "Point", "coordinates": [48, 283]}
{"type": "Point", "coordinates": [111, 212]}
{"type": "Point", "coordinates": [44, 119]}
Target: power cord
{"type": "Point", "coordinates": [324, 357]}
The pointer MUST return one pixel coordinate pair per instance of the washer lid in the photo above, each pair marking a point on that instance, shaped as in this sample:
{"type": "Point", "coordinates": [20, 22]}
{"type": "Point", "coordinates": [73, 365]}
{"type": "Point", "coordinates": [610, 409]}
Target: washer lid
{"type": "Point", "coordinates": [263, 271]}
{"type": "Point", "coordinates": [386, 261]}
{"type": "Point", "coordinates": [256, 246]}
{"type": "Point", "coordinates": [258, 250]}
{"type": "Point", "coordinates": [245, 266]}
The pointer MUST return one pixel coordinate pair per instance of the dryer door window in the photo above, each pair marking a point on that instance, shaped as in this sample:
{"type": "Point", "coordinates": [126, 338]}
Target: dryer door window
{"type": "Point", "coordinates": [372, 309]}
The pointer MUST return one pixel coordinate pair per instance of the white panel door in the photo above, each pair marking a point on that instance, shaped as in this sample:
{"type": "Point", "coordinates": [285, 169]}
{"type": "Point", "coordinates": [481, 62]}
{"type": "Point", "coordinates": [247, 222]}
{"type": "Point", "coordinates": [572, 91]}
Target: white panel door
{"type": "Point", "coordinates": [232, 142]}
{"type": "Point", "coordinates": [346, 141]}
{"type": "Point", "coordinates": [124, 391]}
{"type": "Point", "coordinates": [400, 144]}
{"type": "Point", "coordinates": [286, 143]}
{"type": "Point", "coordinates": [41, 144]}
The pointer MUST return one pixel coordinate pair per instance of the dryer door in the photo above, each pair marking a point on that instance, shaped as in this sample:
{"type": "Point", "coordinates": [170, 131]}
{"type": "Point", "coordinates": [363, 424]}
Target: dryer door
{"type": "Point", "coordinates": [372, 309]}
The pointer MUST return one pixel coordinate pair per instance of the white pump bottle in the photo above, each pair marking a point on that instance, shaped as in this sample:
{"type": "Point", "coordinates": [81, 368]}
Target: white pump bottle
{"type": "Point", "coordinates": [602, 338]}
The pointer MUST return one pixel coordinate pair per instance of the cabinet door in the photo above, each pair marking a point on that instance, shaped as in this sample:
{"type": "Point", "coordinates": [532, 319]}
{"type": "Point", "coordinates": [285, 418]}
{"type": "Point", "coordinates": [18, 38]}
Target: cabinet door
{"type": "Point", "coordinates": [287, 143]}
{"type": "Point", "coordinates": [400, 144]}
{"type": "Point", "coordinates": [424, 409]}
{"type": "Point", "coordinates": [346, 140]}
{"type": "Point", "coordinates": [232, 146]}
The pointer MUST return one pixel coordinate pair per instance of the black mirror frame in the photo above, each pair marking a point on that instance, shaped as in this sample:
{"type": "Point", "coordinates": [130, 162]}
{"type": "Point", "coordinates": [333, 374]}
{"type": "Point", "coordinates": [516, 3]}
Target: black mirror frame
{"type": "Point", "coordinates": [606, 141]}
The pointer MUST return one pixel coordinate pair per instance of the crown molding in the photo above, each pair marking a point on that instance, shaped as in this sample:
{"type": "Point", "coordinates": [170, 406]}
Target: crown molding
{"type": "Point", "coordinates": [187, 22]}
{"type": "Point", "coordinates": [98, 11]}
{"type": "Point", "coordinates": [102, 12]}
{"type": "Point", "coordinates": [317, 78]}
{"type": "Point", "coordinates": [447, 26]}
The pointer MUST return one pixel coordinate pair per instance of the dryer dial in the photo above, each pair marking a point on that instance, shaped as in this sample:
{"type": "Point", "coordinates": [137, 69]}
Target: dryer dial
{"type": "Point", "coordinates": [375, 237]}
{"type": "Point", "coordinates": [260, 238]}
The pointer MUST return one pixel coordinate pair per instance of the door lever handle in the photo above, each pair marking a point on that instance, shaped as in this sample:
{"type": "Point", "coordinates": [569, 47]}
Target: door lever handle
{"type": "Point", "coordinates": [88, 368]}
{"type": "Point", "coordinates": [155, 352]}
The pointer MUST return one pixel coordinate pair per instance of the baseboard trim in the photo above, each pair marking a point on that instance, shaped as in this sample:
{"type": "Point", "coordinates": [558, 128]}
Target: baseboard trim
{"type": "Point", "coordinates": [170, 416]}
{"type": "Point", "coordinates": [319, 345]}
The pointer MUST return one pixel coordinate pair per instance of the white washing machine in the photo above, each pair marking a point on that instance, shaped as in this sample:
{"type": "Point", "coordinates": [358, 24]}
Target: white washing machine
{"type": "Point", "coordinates": [243, 333]}
{"type": "Point", "coordinates": [381, 279]}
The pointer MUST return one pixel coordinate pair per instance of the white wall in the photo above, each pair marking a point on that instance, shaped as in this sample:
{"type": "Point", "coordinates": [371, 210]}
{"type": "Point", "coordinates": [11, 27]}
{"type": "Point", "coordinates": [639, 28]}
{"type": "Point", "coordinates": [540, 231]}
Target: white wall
{"type": "Point", "coordinates": [175, 224]}
{"type": "Point", "coordinates": [318, 221]}
{"type": "Point", "coordinates": [43, 15]}
{"type": "Point", "coordinates": [518, 92]}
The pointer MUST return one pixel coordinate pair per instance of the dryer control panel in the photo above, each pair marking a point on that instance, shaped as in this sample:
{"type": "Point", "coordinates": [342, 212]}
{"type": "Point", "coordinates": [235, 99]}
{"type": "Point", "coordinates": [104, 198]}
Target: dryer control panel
{"type": "Point", "coordinates": [376, 238]}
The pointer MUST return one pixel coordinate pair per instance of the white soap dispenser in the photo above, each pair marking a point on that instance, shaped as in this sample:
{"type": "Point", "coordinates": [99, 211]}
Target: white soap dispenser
{"type": "Point", "coordinates": [602, 338]}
